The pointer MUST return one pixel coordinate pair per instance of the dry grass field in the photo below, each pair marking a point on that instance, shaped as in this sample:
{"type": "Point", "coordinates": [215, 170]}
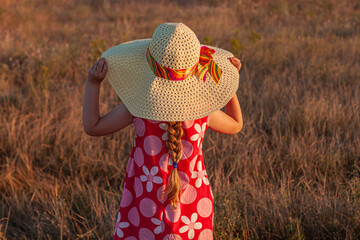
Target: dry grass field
{"type": "Point", "coordinates": [291, 173]}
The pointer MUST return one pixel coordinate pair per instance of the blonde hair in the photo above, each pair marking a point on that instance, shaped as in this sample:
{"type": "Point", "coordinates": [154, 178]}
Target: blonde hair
{"type": "Point", "coordinates": [173, 143]}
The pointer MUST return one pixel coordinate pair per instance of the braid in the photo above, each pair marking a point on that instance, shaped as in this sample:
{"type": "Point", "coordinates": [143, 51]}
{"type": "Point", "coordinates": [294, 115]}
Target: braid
{"type": "Point", "coordinates": [173, 143]}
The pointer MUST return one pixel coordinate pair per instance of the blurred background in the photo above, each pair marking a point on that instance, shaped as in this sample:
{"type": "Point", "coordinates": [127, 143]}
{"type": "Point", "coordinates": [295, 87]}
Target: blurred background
{"type": "Point", "coordinates": [291, 173]}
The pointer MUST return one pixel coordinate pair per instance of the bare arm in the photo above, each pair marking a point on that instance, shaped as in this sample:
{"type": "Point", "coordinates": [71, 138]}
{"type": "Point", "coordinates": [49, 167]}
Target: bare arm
{"type": "Point", "coordinates": [94, 125]}
{"type": "Point", "coordinates": [230, 121]}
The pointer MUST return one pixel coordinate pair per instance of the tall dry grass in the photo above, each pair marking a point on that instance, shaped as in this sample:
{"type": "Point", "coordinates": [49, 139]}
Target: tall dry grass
{"type": "Point", "coordinates": [293, 171]}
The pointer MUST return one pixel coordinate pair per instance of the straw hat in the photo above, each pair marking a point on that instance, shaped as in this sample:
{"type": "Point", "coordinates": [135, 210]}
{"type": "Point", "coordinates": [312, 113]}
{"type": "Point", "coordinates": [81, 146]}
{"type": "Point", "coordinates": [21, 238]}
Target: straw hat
{"type": "Point", "coordinates": [171, 77]}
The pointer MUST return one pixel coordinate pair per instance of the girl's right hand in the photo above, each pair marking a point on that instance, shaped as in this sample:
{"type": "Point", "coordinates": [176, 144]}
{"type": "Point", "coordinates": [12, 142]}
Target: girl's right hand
{"type": "Point", "coordinates": [98, 71]}
{"type": "Point", "coordinates": [236, 62]}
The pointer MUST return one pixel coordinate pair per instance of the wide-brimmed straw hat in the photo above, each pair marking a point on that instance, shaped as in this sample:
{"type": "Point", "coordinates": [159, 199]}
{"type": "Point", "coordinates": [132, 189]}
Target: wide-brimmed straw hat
{"type": "Point", "coordinates": [171, 77]}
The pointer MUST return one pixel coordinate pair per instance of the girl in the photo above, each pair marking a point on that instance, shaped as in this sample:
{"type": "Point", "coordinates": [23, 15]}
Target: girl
{"type": "Point", "coordinates": [172, 89]}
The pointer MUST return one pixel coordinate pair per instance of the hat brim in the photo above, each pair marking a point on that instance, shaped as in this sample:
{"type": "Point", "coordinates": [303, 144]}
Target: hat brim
{"type": "Point", "coordinates": [147, 96]}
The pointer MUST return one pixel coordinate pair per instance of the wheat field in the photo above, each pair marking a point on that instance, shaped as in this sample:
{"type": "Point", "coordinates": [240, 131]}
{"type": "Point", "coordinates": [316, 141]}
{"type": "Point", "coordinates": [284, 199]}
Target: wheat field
{"type": "Point", "coordinates": [293, 172]}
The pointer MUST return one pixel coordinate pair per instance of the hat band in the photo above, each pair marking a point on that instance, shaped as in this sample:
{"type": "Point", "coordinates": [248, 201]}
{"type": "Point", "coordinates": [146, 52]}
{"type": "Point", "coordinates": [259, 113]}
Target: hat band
{"type": "Point", "coordinates": [205, 64]}
{"type": "Point", "coordinates": [168, 73]}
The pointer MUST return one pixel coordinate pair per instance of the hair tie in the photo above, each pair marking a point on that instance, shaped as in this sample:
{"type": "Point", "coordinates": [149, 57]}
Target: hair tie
{"type": "Point", "coordinates": [175, 164]}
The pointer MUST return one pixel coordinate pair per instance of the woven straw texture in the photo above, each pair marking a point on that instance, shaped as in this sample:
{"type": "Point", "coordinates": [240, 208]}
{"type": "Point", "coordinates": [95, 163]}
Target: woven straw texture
{"type": "Point", "coordinates": [147, 96]}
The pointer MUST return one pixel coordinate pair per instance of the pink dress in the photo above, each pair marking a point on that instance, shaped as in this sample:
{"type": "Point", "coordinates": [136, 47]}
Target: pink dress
{"type": "Point", "coordinates": [143, 214]}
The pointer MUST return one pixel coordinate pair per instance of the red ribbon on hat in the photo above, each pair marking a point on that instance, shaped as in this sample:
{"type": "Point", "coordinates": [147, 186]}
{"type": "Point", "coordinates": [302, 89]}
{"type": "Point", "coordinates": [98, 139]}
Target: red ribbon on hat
{"type": "Point", "coordinates": [205, 64]}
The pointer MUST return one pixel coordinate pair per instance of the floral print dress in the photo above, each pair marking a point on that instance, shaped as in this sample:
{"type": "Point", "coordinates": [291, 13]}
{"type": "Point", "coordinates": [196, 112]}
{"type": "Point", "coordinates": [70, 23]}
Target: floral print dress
{"type": "Point", "coordinates": [143, 214]}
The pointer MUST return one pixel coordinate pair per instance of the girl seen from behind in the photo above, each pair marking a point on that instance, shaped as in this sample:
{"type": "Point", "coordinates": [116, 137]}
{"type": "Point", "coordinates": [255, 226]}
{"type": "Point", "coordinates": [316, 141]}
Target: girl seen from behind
{"type": "Point", "coordinates": [172, 88]}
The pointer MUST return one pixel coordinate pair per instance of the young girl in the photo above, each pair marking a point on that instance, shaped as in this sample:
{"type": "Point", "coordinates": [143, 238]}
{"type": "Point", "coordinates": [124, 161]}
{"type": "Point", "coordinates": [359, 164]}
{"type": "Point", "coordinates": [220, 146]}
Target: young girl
{"type": "Point", "coordinates": [172, 89]}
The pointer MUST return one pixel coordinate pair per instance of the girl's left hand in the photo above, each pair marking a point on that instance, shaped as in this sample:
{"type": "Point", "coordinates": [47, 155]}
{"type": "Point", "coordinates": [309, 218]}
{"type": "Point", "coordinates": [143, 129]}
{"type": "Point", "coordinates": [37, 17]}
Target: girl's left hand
{"type": "Point", "coordinates": [236, 62]}
{"type": "Point", "coordinates": [98, 71]}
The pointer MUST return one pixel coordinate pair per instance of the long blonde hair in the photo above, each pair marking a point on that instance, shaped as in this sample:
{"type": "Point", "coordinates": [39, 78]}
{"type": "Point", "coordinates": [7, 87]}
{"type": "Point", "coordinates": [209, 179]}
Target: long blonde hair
{"type": "Point", "coordinates": [173, 143]}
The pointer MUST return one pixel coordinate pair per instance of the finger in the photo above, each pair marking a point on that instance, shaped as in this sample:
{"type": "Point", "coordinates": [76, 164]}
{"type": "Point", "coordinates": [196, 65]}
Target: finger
{"type": "Point", "coordinates": [96, 66]}
{"type": "Point", "coordinates": [235, 61]}
{"type": "Point", "coordinates": [100, 65]}
{"type": "Point", "coordinates": [98, 62]}
{"type": "Point", "coordinates": [239, 65]}
{"type": "Point", "coordinates": [105, 69]}
{"type": "Point", "coordinates": [104, 65]}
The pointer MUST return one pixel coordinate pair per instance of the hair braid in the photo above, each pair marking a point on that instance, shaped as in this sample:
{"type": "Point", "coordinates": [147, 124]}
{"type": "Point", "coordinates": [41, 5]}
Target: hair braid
{"type": "Point", "coordinates": [173, 143]}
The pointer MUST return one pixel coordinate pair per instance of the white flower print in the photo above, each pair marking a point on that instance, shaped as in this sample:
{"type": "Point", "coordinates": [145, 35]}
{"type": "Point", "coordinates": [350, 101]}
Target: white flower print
{"type": "Point", "coordinates": [150, 177]}
{"type": "Point", "coordinates": [161, 224]}
{"type": "Point", "coordinates": [164, 126]}
{"type": "Point", "coordinates": [170, 161]}
{"type": "Point", "coordinates": [201, 149]}
{"type": "Point", "coordinates": [200, 175]}
{"type": "Point", "coordinates": [190, 225]}
{"type": "Point", "coordinates": [120, 225]}
{"type": "Point", "coordinates": [198, 136]}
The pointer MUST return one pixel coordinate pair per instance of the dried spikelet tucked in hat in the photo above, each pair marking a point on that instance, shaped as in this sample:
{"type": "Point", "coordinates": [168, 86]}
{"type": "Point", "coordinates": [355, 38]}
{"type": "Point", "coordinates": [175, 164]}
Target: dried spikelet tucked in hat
{"type": "Point", "coordinates": [171, 77]}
